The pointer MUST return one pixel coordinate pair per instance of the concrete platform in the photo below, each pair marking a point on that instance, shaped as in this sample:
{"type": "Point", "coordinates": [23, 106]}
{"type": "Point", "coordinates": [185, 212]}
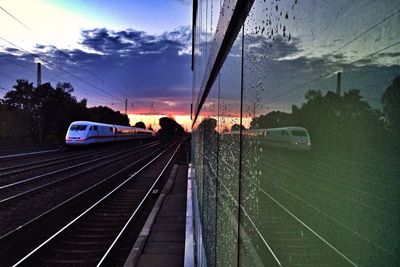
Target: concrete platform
{"type": "Point", "coordinates": [163, 240]}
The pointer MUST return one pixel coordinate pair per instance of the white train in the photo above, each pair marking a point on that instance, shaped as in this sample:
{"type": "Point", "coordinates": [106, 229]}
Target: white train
{"type": "Point", "coordinates": [87, 132]}
{"type": "Point", "coordinates": [294, 138]}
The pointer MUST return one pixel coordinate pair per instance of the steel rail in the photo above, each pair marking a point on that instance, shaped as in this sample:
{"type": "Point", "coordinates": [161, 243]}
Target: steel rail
{"type": "Point", "coordinates": [71, 199]}
{"type": "Point", "coordinates": [50, 162]}
{"type": "Point", "coordinates": [65, 169]}
{"type": "Point", "coordinates": [35, 250]}
{"type": "Point", "coordinates": [54, 182]}
{"type": "Point", "coordinates": [137, 209]}
{"type": "Point", "coordinates": [298, 220]}
{"type": "Point", "coordinates": [40, 164]}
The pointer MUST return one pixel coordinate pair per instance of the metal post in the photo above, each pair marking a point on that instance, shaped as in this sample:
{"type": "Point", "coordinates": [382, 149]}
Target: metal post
{"type": "Point", "coordinates": [39, 74]}
{"type": "Point", "coordinates": [126, 106]}
{"type": "Point", "coordinates": [339, 83]}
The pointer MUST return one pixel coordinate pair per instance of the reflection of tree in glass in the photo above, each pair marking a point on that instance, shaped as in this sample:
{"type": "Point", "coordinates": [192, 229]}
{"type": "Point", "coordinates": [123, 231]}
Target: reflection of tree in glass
{"type": "Point", "coordinates": [346, 124]}
{"type": "Point", "coordinates": [209, 138]}
{"type": "Point", "coordinates": [391, 106]}
{"type": "Point", "coordinates": [236, 127]}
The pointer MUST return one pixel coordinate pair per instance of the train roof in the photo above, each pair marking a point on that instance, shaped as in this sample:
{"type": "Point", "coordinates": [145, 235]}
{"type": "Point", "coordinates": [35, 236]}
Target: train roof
{"type": "Point", "coordinates": [90, 123]}
{"type": "Point", "coordinates": [285, 128]}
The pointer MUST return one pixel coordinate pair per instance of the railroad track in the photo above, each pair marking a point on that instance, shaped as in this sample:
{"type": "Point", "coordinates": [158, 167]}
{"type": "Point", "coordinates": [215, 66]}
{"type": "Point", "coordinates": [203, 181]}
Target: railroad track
{"type": "Point", "coordinates": [283, 237]}
{"type": "Point", "coordinates": [90, 237]}
{"type": "Point", "coordinates": [15, 171]}
{"type": "Point", "coordinates": [22, 188]}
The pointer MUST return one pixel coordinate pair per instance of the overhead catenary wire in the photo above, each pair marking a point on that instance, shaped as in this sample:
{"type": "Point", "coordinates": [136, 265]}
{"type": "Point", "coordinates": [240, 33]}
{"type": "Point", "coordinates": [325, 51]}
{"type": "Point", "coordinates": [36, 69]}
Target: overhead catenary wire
{"type": "Point", "coordinates": [85, 90]}
{"type": "Point", "coordinates": [63, 70]}
{"type": "Point", "coordinates": [16, 63]}
{"type": "Point", "coordinates": [62, 52]}
{"type": "Point", "coordinates": [330, 73]}
{"type": "Point", "coordinates": [8, 75]}
{"type": "Point", "coordinates": [15, 77]}
{"type": "Point", "coordinates": [366, 31]}
{"type": "Point", "coordinates": [349, 42]}
{"type": "Point", "coordinates": [27, 69]}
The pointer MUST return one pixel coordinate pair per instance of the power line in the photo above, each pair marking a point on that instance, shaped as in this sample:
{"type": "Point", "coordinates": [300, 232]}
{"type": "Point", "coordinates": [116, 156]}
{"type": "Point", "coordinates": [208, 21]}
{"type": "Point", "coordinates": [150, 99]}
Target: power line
{"type": "Point", "coordinates": [61, 52]}
{"type": "Point", "coordinates": [95, 94]}
{"type": "Point", "coordinates": [16, 63]}
{"type": "Point", "coordinates": [366, 31]}
{"type": "Point", "coordinates": [8, 75]}
{"type": "Point", "coordinates": [376, 52]}
{"type": "Point", "coordinates": [28, 69]}
{"type": "Point", "coordinates": [349, 42]}
{"type": "Point", "coordinates": [11, 15]}
{"type": "Point", "coordinates": [63, 70]}
{"type": "Point", "coordinates": [327, 74]}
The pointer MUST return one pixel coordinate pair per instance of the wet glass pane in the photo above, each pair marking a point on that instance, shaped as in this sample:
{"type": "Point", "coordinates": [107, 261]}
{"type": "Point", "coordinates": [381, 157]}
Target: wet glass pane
{"type": "Point", "coordinates": [320, 169]}
{"type": "Point", "coordinates": [228, 159]}
{"type": "Point", "coordinates": [208, 128]}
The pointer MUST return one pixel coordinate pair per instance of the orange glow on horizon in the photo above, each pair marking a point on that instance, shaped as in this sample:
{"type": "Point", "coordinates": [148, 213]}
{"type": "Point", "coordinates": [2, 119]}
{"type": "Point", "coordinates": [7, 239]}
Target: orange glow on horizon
{"type": "Point", "coordinates": [152, 120]}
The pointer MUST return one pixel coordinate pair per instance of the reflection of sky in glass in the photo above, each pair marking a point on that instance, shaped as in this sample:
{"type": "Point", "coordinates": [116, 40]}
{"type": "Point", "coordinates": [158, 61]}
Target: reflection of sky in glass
{"type": "Point", "coordinates": [293, 48]}
{"type": "Point", "coordinates": [327, 200]}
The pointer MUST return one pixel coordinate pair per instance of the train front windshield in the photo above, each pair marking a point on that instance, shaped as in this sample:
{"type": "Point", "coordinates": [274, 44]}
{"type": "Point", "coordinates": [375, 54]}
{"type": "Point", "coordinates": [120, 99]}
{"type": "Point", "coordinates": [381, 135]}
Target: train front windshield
{"type": "Point", "coordinates": [78, 127]}
{"type": "Point", "coordinates": [299, 133]}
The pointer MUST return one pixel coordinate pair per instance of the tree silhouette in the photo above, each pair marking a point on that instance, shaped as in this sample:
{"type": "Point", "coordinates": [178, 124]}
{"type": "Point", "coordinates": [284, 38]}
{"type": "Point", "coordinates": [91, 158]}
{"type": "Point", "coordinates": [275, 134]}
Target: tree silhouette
{"type": "Point", "coordinates": [107, 115]}
{"type": "Point", "coordinates": [140, 124]}
{"type": "Point", "coordinates": [345, 123]}
{"type": "Point", "coordinates": [236, 127]}
{"type": "Point", "coordinates": [170, 128]}
{"type": "Point", "coordinates": [273, 119]}
{"type": "Point", "coordinates": [43, 114]}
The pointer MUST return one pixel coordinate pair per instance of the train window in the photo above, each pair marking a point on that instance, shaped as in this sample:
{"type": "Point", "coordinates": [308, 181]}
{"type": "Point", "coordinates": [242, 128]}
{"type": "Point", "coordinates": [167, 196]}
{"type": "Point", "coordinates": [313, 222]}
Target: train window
{"type": "Point", "coordinates": [95, 128]}
{"type": "Point", "coordinates": [111, 129]}
{"type": "Point", "coordinates": [299, 133]}
{"type": "Point", "coordinates": [78, 127]}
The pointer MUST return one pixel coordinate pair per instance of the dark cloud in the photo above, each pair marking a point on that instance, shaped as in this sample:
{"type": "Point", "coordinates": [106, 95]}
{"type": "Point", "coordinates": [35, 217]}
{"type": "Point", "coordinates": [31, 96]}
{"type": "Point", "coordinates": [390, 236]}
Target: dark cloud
{"type": "Point", "coordinates": [144, 66]}
{"type": "Point", "coordinates": [135, 42]}
{"type": "Point", "coordinates": [103, 40]}
{"type": "Point", "coordinates": [12, 50]}
{"type": "Point", "coordinates": [40, 46]}
{"type": "Point", "coordinates": [185, 2]}
{"type": "Point", "coordinates": [274, 48]}
{"type": "Point", "coordinates": [131, 63]}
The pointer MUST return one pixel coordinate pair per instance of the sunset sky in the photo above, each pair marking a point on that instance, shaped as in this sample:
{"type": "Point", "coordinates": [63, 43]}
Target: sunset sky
{"type": "Point", "coordinates": [141, 51]}
{"type": "Point", "coordinates": [108, 50]}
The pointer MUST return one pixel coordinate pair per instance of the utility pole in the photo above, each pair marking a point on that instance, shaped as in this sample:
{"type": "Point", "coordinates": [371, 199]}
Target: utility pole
{"type": "Point", "coordinates": [39, 108]}
{"type": "Point", "coordinates": [39, 74]}
{"type": "Point", "coordinates": [339, 83]}
{"type": "Point", "coordinates": [254, 110]}
{"type": "Point", "coordinates": [126, 106]}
